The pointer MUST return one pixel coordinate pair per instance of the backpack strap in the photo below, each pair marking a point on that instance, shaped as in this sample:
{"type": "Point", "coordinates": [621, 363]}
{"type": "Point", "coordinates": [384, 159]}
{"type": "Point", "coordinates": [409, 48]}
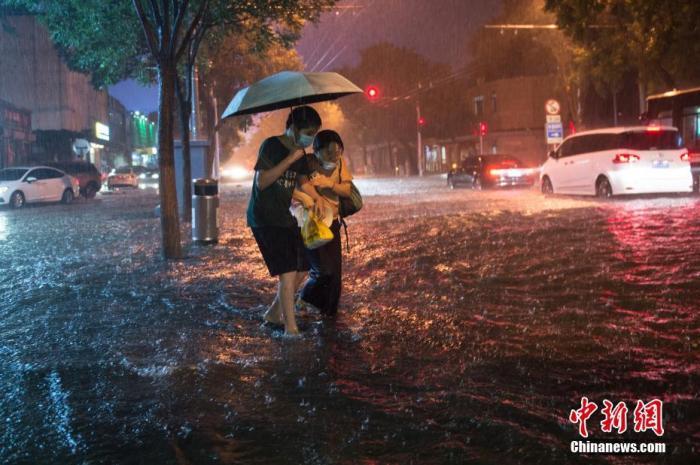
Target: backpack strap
{"type": "Point", "coordinates": [342, 220]}
{"type": "Point", "coordinates": [347, 240]}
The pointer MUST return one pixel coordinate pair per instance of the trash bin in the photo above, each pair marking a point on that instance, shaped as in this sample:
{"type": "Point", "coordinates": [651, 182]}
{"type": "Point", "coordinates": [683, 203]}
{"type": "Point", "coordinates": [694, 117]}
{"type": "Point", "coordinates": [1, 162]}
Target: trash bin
{"type": "Point", "coordinates": [205, 203]}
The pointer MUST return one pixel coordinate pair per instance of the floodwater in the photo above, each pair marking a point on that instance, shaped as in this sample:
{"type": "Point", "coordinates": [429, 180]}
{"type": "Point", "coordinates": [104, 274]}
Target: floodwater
{"type": "Point", "coordinates": [471, 324]}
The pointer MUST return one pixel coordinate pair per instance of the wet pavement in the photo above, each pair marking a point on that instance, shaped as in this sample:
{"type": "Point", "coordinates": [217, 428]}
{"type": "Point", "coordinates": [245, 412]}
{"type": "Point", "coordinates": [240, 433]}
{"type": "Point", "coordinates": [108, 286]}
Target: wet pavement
{"type": "Point", "coordinates": [471, 324]}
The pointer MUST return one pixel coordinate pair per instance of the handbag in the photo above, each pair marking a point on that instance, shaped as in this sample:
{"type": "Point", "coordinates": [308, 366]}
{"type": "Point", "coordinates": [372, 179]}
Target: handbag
{"type": "Point", "coordinates": [315, 233]}
{"type": "Point", "coordinates": [348, 206]}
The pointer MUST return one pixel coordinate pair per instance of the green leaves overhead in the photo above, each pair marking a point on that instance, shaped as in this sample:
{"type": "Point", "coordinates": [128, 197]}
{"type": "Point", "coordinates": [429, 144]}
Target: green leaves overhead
{"type": "Point", "coordinates": [657, 39]}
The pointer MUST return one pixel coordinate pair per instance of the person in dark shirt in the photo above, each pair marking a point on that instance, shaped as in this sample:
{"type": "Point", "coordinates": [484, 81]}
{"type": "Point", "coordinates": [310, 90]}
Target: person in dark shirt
{"type": "Point", "coordinates": [281, 167]}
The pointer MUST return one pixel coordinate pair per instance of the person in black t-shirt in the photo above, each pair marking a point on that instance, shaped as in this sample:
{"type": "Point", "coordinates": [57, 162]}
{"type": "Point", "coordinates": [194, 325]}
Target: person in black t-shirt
{"type": "Point", "coordinates": [281, 167]}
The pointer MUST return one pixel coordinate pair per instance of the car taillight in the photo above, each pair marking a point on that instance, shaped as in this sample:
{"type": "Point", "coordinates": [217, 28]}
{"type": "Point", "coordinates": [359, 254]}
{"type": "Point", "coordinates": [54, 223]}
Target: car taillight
{"type": "Point", "coordinates": [626, 158]}
{"type": "Point", "coordinates": [685, 156]}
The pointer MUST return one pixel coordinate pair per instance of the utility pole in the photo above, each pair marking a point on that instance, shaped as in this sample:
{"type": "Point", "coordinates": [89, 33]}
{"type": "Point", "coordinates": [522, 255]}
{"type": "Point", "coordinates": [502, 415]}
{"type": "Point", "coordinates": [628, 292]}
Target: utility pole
{"type": "Point", "coordinates": [217, 143]}
{"type": "Point", "coordinates": [194, 122]}
{"type": "Point", "coordinates": [419, 140]}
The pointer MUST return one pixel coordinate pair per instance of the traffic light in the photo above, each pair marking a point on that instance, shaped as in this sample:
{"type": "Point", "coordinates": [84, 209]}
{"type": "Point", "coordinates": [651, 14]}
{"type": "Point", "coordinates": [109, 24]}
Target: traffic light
{"type": "Point", "coordinates": [421, 121]}
{"type": "Point", "coordinates": [483, 128]}
{"type": "Point", "coordinates": [372, 93]}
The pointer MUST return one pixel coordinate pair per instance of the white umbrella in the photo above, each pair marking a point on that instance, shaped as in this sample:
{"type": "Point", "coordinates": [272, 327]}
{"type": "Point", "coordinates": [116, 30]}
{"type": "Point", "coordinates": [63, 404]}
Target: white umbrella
{"type": "Point", "coordinates": [289, 89]}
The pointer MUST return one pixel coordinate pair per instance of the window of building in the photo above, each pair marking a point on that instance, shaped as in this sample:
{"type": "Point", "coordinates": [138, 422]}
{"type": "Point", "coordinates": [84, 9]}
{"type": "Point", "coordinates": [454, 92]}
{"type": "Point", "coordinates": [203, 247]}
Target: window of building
{"type": "Point", "coordinates": [479, 105]}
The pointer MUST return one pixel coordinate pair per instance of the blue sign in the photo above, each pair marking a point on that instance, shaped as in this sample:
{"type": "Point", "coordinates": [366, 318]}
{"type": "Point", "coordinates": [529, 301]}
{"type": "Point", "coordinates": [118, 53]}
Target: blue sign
{"type": "Point", "coordinates": [555, 133]}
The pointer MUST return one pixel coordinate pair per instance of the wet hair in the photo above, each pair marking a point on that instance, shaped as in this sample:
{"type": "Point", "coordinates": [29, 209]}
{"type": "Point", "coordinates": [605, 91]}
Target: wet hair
{"type": "Point", "coordinates": [324, 138]}
{"type": "Point", "coordinates": [303, 118]}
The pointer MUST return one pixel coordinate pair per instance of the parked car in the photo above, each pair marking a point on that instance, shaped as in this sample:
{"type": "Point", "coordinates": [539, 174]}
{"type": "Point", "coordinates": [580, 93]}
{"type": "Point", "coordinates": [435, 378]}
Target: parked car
{"type": "Point", "coordinates": [22, 185]}
{"type": "Point", "coordinates": [482, 171]}
{"type": "Point", "coordinates": [146, 174]}
{"type": "Point", "coordinates": [124, 176]}
{"type": "Point", "coordinates": [619, 161]}
{"type": "Point", "coordinates": [86, 173]}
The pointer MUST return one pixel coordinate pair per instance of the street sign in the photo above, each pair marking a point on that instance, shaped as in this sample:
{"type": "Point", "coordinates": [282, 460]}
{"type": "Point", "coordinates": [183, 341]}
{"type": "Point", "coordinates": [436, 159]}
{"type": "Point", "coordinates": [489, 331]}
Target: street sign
{"type": "Point", "coordinates": [554, 118]}
{"type": "Point", "coordinates": [81, 147]}
{"type": "Point", "coordinates": [552, 107]}
{"type": "Point", "coordinates": [555, 133]}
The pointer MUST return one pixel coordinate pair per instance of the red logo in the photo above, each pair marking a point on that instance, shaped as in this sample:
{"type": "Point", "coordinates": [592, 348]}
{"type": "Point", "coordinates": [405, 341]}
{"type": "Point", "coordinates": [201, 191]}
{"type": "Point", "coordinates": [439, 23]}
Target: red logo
{"type": "Point", "coordinates": [647, 416]}
{"type": "Point", "coordinates": [615, 418]}
{"type": "Point", "coordinates": [582, 415]}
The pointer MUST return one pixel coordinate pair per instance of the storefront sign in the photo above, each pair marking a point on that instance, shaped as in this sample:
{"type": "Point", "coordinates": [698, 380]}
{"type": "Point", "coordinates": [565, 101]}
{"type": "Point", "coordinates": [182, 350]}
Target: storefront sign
{"type": "Point", "coordinates": [101, 131]}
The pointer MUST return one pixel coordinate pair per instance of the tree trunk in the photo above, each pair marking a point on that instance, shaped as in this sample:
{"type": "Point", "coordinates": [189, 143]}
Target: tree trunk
{"type": "Point", "coordinates": [169, 220]}
{"type": "Point", "coordinates": [669, 81]}
{"type": "Point", "coordinates": [641, 89]}
{"type": "Point", "coordinates": [185, 112]}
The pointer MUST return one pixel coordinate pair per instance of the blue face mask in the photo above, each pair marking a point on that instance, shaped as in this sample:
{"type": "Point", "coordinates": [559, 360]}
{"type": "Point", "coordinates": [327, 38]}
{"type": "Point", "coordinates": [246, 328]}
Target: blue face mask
{"type": "Point", "coordinates": [304, 140]}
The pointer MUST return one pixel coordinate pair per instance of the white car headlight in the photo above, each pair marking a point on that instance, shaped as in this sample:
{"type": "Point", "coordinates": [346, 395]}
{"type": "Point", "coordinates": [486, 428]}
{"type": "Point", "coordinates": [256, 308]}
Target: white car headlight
{"type": "Point", "coordinates": [3, 189]}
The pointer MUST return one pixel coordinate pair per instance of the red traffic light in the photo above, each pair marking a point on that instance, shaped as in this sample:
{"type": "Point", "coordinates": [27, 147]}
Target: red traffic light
{"type": "Point", "coordinates": [421, 121]}
{"type": "Point", "coordinates": [372, 92]}
{"type": "Point", "coordinates": [483, 128]}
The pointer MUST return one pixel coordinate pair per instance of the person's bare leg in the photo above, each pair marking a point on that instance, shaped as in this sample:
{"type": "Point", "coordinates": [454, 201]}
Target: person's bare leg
{"type": "Point", "coordinates": [274, 311]}
{"type": "Point", "coordinates": [287, 283]}
{"type": "Point", "coordinates": [301, 276]}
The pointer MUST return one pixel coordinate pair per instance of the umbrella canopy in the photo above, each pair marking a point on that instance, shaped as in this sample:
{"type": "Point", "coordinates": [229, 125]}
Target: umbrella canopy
{"type": "Point", "coordinates": [289, 89]}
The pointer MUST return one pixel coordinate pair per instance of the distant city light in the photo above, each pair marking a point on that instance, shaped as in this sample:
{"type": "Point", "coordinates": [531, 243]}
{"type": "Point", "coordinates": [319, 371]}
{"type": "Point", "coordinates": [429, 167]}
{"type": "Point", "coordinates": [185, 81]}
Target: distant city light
{"type": "Point", "coordinates": [236, 172]}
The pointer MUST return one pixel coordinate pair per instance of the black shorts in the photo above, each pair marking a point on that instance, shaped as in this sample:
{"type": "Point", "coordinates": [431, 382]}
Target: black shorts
{"type": "Point", "coordinates": [282, 249]}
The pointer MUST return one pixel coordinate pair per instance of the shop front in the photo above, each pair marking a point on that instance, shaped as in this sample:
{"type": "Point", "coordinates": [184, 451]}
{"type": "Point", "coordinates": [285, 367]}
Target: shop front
{"type": "Point", "coordinates": [15, 135]}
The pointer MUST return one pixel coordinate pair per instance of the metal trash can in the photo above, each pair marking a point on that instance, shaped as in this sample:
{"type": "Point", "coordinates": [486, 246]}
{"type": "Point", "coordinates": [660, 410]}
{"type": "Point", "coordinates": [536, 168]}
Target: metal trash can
{"type": "Point", "coordinates": [205, 203]}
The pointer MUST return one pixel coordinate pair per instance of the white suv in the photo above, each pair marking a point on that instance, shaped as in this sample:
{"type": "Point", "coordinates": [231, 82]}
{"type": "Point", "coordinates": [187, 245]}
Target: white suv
{"type": "Point", "coordinates": [617, 161]}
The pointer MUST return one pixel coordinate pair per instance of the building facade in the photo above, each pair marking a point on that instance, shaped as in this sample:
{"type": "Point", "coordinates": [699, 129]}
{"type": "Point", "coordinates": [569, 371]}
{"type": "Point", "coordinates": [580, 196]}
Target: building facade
{"type": "Point", "coordinates": [15, 135]}
{"type": "Point", "coordinates": [512, 112]}
{"type": "Point", "coordinates": [64, 105]}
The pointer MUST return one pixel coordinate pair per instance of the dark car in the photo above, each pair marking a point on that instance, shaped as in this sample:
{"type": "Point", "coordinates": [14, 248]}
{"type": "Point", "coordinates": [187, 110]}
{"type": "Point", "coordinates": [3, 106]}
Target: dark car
{"type": "Point", "coordinates": [85, 172]}
{"type": "Point", "coordinates": [491, 171]}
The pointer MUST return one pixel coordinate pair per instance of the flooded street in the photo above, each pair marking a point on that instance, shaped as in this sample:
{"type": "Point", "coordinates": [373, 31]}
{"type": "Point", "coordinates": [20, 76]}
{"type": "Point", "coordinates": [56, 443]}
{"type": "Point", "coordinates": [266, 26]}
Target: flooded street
{"type": "Point", "coordinates": [471, 324]}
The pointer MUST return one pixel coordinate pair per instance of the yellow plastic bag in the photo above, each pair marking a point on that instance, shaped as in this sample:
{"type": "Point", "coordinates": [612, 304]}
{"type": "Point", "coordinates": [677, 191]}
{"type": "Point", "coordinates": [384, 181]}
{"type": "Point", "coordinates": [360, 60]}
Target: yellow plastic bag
{"type": "Point", "coordinates": [315, 233]}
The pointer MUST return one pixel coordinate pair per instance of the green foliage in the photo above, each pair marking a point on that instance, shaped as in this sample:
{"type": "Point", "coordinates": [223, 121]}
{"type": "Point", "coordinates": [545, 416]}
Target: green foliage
{"type": "Point", "coordinates": [397, 73]}
{"type": "Point", "coordinates": [659, 40]}
{"type": "Point", "coordinates": [404, 79]}
{"type": "Point", "coordinates": [501, 54]}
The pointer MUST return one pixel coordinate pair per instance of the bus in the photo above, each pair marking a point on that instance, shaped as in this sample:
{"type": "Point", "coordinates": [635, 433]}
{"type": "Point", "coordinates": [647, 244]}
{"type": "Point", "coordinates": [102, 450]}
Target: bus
{"type": "Point", "coordinates": [680, 108]}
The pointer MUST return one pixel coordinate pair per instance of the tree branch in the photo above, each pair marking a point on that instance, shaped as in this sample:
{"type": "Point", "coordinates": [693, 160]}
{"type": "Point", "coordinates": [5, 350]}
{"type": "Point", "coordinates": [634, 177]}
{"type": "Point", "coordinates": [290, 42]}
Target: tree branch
{"type": "Point", "coordinates": [168, 37]}
{"type": "Point", "coordinates": [191, 30]}
{"type": "Point", "coordinates": [180, 13]}
{"type": "Point", "coordinates": [196, 42]}
{"type": "Point", "coordinates": [148, 30]}
{"type": "Point", "coordinates": [156, 12]}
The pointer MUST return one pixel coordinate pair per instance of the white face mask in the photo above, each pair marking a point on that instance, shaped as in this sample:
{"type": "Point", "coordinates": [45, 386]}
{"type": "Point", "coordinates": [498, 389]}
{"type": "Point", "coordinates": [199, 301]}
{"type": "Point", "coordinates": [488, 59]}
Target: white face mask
{"type": "Point", "coordinates": [327, 165]}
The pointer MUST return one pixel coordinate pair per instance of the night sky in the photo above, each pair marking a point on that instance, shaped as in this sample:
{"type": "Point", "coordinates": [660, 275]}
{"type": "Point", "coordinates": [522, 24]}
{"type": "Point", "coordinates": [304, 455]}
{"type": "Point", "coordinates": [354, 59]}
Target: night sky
{"type": "Point", "coordinates": [437, 29]}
